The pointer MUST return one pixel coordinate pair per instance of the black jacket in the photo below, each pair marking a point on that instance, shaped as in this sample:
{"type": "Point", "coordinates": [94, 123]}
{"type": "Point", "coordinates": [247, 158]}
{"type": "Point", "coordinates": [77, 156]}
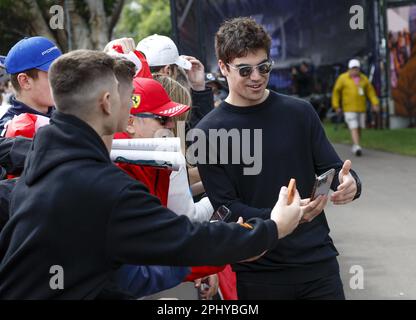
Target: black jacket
{"type": "Point", "coordinates": [6, 188]}
{"type": "Point", "coordinates": [73, 208]}
{"type": "Point", "coordinates": [13, 154]}
{"type": "Point", "coordinates": [12, 158]}
{"type": "Point", "coordinates": [202, 104]}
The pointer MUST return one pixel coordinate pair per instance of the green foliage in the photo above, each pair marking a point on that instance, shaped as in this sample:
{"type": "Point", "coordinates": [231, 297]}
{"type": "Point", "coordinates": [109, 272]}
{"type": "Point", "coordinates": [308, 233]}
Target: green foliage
{"type": "Point", "coordinates": [141, 18]}
{"type": "Point", "coordinates": [401, 141]}
{"type": "Point", "coordinates": [127, 25]}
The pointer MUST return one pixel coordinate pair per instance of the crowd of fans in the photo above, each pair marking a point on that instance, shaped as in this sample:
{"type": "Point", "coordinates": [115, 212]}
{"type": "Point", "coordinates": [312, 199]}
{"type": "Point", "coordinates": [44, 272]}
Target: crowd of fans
{"type": "Point", "coordinates": [135, 230]}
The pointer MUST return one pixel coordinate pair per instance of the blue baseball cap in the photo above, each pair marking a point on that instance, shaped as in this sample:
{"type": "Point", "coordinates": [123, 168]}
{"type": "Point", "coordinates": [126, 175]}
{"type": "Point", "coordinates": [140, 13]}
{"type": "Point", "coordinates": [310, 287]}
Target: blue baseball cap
{"type": "Point", "coordinates": [31, 53]}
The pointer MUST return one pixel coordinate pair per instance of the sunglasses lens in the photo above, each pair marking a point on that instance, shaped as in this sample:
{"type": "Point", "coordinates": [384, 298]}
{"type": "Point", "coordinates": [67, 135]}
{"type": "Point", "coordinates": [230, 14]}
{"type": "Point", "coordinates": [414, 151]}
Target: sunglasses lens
{"type": "Point", "coordinates": [265, 68]}
{"type": "Point", "coordinates": [245, 71]}
{"type": "Point", "coordinates": [163, 120]}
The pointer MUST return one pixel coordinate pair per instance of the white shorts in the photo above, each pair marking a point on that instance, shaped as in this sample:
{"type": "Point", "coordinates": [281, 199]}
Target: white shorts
{"type": "Point", "coordinates": [355, 120]}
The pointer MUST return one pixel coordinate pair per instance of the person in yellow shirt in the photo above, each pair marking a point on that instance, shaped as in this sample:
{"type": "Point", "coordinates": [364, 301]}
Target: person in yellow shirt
{"type": "Point", "coordinates": [351, 91]}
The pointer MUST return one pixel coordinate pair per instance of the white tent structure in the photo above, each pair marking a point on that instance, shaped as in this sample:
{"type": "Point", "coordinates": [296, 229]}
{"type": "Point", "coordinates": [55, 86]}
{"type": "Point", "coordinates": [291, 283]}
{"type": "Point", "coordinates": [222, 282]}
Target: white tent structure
{"type": "Point", "coordinates": [398, 19]}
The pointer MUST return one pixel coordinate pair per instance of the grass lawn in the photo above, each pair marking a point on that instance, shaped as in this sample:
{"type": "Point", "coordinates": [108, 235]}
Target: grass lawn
{"type": "Point", "coordinates": [401, 141]}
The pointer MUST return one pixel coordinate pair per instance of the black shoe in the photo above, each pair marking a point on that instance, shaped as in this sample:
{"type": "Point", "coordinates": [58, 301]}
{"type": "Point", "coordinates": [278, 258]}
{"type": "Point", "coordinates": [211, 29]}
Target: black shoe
{"type": "Point", "coordinates": [357, 150]}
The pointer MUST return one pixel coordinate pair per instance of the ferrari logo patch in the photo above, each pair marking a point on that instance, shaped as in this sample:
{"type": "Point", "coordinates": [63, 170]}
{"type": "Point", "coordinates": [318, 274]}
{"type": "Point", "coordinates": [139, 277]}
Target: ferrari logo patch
{"type": "Point", "coordinates": [136, 101]}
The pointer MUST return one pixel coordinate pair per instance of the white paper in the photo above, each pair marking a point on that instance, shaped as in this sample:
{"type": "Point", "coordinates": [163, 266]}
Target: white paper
{"type": "Point", "coordinates": [148, 144]}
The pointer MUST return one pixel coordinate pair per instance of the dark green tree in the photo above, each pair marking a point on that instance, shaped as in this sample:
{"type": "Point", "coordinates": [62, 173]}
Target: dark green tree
{"type": "Point", "coordinates": [141, 18]}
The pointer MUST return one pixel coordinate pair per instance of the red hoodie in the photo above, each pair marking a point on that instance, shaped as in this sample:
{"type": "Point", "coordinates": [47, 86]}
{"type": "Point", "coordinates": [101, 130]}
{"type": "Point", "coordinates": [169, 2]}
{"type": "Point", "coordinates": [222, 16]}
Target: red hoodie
{"type": "Point", "coordinates": [155, 179]}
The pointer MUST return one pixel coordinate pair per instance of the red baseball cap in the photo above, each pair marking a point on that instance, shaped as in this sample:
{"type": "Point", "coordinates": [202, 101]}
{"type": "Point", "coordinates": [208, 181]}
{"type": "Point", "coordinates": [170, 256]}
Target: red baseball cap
{"type": "Point", "coordinates": [150, 96]}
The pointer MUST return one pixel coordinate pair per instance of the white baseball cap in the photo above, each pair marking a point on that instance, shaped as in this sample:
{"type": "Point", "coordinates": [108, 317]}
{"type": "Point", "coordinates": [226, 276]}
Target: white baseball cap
{"type": "Point", "coordinates": [162, 51]}
{"type": "Point", "coordinates": [354, 63]}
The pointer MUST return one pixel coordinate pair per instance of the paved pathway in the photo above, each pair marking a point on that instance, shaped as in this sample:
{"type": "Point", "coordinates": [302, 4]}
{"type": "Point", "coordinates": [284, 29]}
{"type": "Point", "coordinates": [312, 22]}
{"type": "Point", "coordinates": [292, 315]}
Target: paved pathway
{"type": "Point", "coordinates": [378, 231]}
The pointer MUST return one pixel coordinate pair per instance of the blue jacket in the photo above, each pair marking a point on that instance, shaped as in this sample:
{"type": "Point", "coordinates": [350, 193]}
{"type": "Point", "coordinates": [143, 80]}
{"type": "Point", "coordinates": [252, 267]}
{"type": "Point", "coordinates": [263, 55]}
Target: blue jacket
{"type": "Point", "coordinates": [141, 281]}
{"type": "Point", "coordinates": [17, 108]}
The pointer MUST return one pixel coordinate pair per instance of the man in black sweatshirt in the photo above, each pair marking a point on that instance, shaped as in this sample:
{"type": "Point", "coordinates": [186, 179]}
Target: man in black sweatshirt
{"type": "Point", "coordinates": [75, 217]}
{"type": "Point", "coordinates": [288, 141]}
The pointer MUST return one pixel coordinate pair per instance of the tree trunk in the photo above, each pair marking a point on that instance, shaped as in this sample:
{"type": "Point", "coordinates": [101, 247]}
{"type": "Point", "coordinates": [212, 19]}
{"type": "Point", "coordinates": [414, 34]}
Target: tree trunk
{"type": "Point", "coordinates": [80, 34]}
{"type": "Point", "coordinates": [98, 24]}
{"type": "Point", "coordinates": [38, 22]}
{"type": "Point", "coordinates": [112, 21]}
{"type": "Point", "coordinates": [62, 39]}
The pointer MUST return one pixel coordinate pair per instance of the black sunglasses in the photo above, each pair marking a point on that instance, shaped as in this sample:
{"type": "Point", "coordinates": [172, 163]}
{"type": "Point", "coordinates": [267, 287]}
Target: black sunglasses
{"type": "Point", "coordinates": [246, 71]}
{"type": "Point", "coordinates": [162, 120]}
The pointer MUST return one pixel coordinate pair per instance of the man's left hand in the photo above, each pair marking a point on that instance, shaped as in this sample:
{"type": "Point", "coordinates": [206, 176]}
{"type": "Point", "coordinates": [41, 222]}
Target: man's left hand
{"type": "Point", "coordinates": [347, 189]}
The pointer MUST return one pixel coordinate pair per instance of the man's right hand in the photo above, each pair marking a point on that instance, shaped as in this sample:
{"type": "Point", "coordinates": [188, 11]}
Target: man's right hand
{"type": "Point", "coordinates": [286, 217]}
{"type": "Point", "coordinates": [196, 75]}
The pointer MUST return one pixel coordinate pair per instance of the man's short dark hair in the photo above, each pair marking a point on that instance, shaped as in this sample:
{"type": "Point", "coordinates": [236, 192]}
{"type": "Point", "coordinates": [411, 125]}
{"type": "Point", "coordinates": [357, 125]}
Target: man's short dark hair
{"type": "Point", "coordinates": [238, 37]}
{"type": "Point", "coordinates": [31, 73]}
{"type": "Point", "coordinates": [77, 76]}
{"type": "Point", "coordinates": [124, 70]}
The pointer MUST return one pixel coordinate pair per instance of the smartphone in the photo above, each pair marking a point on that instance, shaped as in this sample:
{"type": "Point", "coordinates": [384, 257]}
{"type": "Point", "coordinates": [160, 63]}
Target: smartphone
{"type": "Point", "coordinates": [222, 214]}
{"type": "Point", "coordinates": [323, 184]}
